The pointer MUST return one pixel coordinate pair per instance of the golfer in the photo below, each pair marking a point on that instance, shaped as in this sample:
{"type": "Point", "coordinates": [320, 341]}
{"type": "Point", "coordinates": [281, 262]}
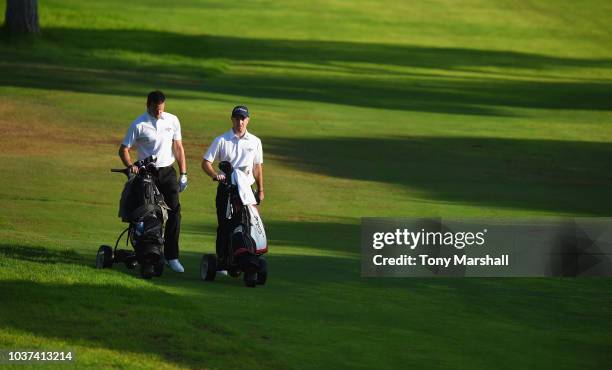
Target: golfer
{"type": "Point", "coordinates": [243, 151]}
{"type": "Point", "coordinates": [158, 133]}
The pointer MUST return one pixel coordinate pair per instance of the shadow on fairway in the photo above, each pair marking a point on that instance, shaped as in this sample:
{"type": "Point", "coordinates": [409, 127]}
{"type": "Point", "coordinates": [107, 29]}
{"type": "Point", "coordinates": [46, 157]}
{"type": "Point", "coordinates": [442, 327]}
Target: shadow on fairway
{"type": "Point", "coordinates": [545, 175]}
{"type": "Point", "coordinates": [40, 254]}
{"type": "Point", "coordinates": [319, 235]}
{"type": "Point", "coordinates": [312, 252]}
{"type": "Point", "coordinates": [139, 320]}
{"type": "Point", "coordinates": [307, 301]}
{"type": "Point", "coordinates": [123, 315]}
{"type": "Point", "coordinates": [355, 74]}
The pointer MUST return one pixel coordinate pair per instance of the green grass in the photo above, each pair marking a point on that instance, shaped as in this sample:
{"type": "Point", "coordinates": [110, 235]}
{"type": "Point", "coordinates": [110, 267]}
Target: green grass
{"type": "Point", "coordinates": [430, 108]}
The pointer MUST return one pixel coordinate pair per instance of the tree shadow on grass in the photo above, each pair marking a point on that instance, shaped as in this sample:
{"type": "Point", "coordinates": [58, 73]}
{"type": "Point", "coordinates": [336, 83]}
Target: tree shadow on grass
{"type": "Point", "coordinates": [118, 314]}
{"type": "Point", "coordinates": [138, 320]}
{"type": "Point", "coordinates": [40, 254]}
{"type": "Point", "coordinates": [315, 52]}
{"type": "Point", "coordinates": [343, 237]}
{"type": "Point", "coordinates": [543, 175]}
{"type": "Point", "coordinates": [354, 74]}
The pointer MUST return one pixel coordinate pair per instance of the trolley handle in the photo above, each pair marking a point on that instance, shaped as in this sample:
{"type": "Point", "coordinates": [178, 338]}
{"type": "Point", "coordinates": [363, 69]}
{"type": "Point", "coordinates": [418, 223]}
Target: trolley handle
{"type": "Point", "coordinates": [147, 163]}
{"type": "Point", "coordinates": [126, 171]}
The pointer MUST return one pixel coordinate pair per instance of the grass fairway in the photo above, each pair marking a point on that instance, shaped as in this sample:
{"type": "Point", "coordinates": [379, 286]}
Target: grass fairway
{"type": "Point", "coordinates": [365, 108]}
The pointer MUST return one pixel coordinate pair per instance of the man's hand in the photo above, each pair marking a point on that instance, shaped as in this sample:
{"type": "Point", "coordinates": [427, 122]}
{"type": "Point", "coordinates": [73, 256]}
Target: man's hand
{"type": "Point", "coordinates": [207, 167]}
{"type": "Point", "coordinates": [261, 195]}
{"type": "Point", "coordinates": [182, 183]}
{"type": "Point", "coordinates": [133, 169]}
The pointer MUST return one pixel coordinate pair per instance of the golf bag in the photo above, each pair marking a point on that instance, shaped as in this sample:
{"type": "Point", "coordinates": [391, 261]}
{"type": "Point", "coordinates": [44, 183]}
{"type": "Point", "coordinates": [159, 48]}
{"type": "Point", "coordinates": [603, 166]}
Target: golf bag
{"type": "Point", "coordinates": [143, 207]}
{"type": "Point", "coordinates": [248, 233]}
{"type": "Point", "coordinates": [247, 239]}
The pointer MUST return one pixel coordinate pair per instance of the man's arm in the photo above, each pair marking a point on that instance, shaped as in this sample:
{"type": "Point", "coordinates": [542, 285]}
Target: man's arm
{"type": "Point", "coordinates": [124, 154]}
{"type": "Point", "coordinates": [258, 174]}
{"type": "Point", "coordinates": [179, 154]}
{"type": "Point", "coordinates": [208, 168]}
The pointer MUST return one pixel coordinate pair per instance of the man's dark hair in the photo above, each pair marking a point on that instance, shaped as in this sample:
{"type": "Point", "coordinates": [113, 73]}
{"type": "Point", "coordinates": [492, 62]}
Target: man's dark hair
{"type": "Point", "coordinates": [155, 97]}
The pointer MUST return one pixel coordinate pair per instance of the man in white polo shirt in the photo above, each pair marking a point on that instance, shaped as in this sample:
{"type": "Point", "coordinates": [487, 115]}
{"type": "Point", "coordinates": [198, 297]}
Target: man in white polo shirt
{"type": "Point", "coordinates": [243, 150]}
{"type": "Point", "coordinates": [158, 133]}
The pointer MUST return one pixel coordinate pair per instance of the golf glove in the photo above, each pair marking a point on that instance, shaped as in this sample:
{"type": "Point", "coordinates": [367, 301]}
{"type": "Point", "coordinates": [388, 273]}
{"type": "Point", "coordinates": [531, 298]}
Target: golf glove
{"type": "Point", "coordinates": [182, 183]}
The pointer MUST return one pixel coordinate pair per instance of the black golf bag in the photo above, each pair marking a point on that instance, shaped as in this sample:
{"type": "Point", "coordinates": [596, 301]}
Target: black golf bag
{"type": "Point", "coordinates": [148, 217]}
{"type": "Point", "coordinates": [143, 207]}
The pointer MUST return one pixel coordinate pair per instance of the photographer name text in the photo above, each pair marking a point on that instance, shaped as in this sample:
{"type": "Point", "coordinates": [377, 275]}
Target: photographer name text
{"type": "Point", "coordinates": [404, 238]}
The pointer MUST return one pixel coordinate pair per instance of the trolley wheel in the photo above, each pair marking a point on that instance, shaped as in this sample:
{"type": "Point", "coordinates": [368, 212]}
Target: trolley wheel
{"type": "Point", "coordinates": [131, 263]}
{"type": "Point", "coordinates": [147, 271]}
{"type": "Point", "coordinates": [250, 279]}
{"type": "Point", "coordinates": [158, 268]}
{"type": "Point", "coordinates": [208, 267]}
{"type": "Point", "coordinates": [104, 258]}
{"type": "Point", "coordinates": [262, 274]}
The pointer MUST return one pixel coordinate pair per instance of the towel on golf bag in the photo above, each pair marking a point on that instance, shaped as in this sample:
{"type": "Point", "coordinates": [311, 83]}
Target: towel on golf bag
{"type": "Point", "coordinates": [241, 180]}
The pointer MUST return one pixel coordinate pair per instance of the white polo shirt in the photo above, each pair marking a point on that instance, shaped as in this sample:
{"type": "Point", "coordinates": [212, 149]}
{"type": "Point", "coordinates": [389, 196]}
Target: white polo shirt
{"type": "Point", "coordinates": [153, 136]}
{"type": "Point", "coordinates": [241, 152]}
